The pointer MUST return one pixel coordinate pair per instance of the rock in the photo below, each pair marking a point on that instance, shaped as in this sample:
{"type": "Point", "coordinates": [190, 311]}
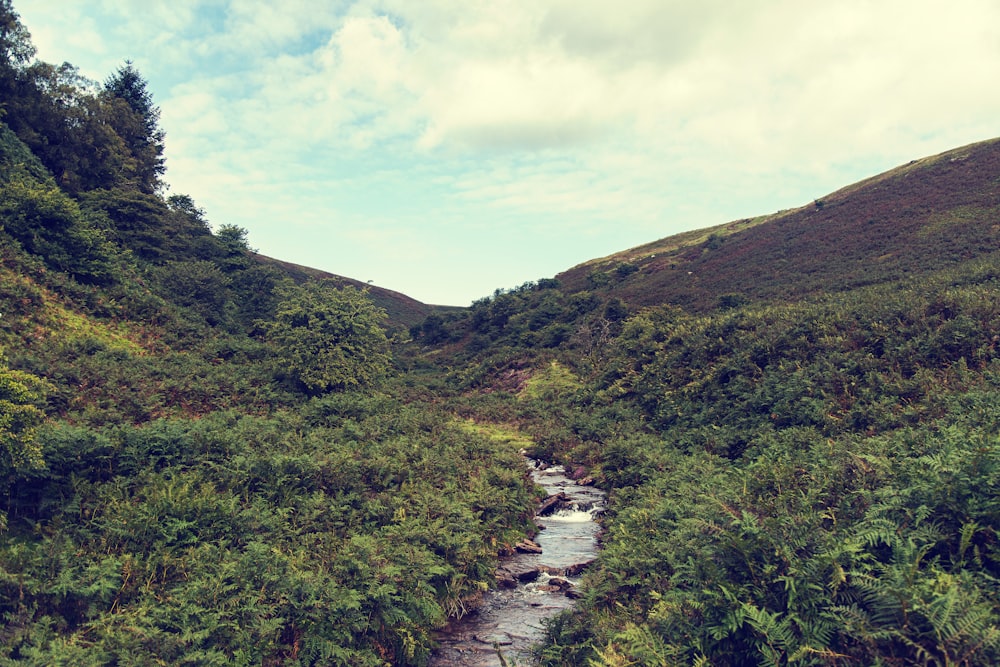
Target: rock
{"type": "Point", "coordinates": [585, 481]}
{"type": "Point", "coordinates": [578, 473]}
{"type": "Point", "coordinates": [553, 503]}
{"type": "Point", "coordinates": [527, 546]}
{"type": "Point", "coordinates": [548, 588]}
{"type": "Point", "coordinates": [573, 594]}
{"type": "Point", "coordinates": [510, 576]}
{"type": "Point", "coordinates": [577, 569]}
{"type": "Point", "coordinates": [527, 576]}
{"type": "Point", "coordinates": [549, 570]}
{"type": "Point", "coordinates": [501, 639]}
{"type": "Point", "coordinates": [560, 584]}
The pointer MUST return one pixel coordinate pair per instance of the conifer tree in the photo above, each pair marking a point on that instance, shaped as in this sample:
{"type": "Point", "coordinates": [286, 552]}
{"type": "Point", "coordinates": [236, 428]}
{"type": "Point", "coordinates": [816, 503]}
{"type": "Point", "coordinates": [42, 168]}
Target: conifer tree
{"type": "Point", "coordinates": [137, 120]}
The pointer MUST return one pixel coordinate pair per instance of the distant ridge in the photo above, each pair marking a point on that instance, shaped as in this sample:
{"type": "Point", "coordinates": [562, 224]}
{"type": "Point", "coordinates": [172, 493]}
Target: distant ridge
{"type": "Point", "coordinates": [403, 311]}
{"type": "Point", "coordinates": [920, 217]}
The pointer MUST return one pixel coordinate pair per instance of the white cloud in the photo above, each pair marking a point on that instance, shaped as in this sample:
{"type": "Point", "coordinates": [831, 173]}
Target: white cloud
{"type": "Point", "coordinates": [648, 116]}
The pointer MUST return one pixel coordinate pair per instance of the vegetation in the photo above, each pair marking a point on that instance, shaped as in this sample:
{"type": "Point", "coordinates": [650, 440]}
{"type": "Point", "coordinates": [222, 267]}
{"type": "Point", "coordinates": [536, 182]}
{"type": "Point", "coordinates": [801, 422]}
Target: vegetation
{"type": "Point", "coordinates": [202, 458]}
{"type": "Point", "coordinates": [210, 457]}
{"type": "Point", "coordinates": [329, 338]}
{"type": "Point", "coordinates": [805, 484]}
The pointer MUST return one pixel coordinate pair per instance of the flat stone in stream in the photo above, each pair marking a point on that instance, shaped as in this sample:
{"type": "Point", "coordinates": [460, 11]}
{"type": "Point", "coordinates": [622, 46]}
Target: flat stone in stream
{"type": "Point", "coordinates": [527, 546]}
{"type": "Point", "coordinates": [502, 639]}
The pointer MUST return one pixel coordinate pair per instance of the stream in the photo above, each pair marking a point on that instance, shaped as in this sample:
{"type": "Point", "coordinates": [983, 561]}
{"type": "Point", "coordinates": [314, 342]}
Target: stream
{"type": "Point", "coordinates": [512, 618]}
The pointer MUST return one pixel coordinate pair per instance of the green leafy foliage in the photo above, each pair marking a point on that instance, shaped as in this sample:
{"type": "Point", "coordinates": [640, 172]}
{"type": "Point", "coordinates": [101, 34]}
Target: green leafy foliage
{"type": "Point", "coordinates": [346, 533]}
{"type": "Point", "coordinates": [817, 486]}
{"type": "Point", "coordinates": [21, 394]}
{"type": "Point", "coordinates": [329, 338]}
{"type": "Point", "coordinates": [197, 465]}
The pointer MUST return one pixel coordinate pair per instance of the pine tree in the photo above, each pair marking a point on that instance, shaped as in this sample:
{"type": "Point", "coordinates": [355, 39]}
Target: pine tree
{"type": "Point", "coordinates": [137, 120]}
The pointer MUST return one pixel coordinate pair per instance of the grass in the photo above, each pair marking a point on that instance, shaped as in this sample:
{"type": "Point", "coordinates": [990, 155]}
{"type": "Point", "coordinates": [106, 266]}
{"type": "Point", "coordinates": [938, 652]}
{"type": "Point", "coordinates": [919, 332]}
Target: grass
{"type": "Point", "coordinates": [497, 432]}
{"type": "Point", "coordinates": [551, 381]}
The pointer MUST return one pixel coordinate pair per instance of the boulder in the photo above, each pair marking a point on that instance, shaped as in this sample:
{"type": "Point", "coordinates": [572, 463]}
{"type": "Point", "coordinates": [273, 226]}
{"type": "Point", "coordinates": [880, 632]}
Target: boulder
{"type": "Point", "coordinates": [548, 588]}
{"type": "Point", "coordinates": [509, 576]}
{"type": "Point", "coordinates": [553, 503]}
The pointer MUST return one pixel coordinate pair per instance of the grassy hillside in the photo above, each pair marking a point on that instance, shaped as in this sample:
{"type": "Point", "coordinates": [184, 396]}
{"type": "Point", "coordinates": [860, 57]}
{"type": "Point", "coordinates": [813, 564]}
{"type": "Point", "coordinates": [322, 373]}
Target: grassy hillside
{"type": "Point", "coordinates": [794, 417]}
{"type": "Point", "coordinates": [920, 217]}
{"type": "Point", "coordinates": [210, 457]}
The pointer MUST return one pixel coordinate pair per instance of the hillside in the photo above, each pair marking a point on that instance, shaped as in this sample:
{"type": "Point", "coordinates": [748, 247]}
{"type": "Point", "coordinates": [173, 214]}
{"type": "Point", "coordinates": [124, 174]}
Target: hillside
{"type": "Point", "coordinates": [795, 417]}
{"type": "Point", "coordinates": [917, 218]}
{"type": "Point", "coordinates": [402, 311]}
{"type": "Point", "coordinates": [212, 457]}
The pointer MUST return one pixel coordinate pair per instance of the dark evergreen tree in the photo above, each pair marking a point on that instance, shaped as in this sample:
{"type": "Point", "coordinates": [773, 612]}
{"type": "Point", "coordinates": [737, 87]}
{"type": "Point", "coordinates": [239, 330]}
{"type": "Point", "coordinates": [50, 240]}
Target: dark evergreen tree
{"type": "Point", "coordinates": [137, 120]}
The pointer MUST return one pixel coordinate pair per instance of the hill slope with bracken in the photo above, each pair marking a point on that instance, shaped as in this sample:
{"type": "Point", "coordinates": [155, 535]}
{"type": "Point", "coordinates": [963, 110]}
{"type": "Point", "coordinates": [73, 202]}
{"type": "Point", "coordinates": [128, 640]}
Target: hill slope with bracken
{"type": "Point", "coordinates": [917, 218]}
{"type": "Point", "coordinates": [796, 420]}
{"type": "Point", "coordinates": [401, 310]}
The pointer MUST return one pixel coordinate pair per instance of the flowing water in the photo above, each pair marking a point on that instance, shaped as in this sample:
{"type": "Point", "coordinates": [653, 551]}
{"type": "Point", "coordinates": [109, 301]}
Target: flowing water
{"type": "Point", "coordinates": [511, 619]}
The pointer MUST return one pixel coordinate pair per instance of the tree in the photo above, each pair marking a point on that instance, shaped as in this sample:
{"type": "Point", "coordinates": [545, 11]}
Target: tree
{"type": "Point", "coordinates": [49, 224]}
{"type": "Point", "coordinates": [329, 338]}
{"type": "Point", "coordinates": [16, 49]}
{"type": "Point", "coordinates": [57, 113]}
{"type": "Point", "coordinates": [137, 121]}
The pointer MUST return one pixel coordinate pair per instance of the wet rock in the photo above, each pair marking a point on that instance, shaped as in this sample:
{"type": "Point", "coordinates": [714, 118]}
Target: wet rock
{"type": "Point", "coordinates": [573, 594]}
{"type": "Point", "coordinates": [527, 546]}
{"type": "Point", "coordinates": [578, 473]}
{"type": "Point", "coordinates": [585, 481]}
{"type": "Point", "coordinates": [501, 639]}
{"type": "Point", "coordinates": [526, 576]}
{"type": "Point", "coordinates": [553, 503]}
{"type": "Point", "coordinates": [577, 569]}
{"type": "Point", "coordinates": [511, 576]}
{"type": "Point", "coordinates": [560, 584]}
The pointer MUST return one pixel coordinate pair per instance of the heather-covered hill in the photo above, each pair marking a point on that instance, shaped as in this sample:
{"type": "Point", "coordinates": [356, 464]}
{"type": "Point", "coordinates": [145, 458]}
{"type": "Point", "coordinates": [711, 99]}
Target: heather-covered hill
{"type": "Point", "coordinates": [923, 216]}
{"type": "Point", "coordinates": [794, 417]}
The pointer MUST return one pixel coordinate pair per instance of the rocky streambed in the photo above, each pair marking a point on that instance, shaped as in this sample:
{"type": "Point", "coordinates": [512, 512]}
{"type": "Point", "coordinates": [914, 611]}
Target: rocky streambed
{"type": "Point", "coordinates": [535, 583]}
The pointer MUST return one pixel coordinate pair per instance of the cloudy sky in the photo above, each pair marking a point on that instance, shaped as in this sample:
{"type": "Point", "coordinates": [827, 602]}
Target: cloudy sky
{"type": "Point", "coordinates": [445, 149]}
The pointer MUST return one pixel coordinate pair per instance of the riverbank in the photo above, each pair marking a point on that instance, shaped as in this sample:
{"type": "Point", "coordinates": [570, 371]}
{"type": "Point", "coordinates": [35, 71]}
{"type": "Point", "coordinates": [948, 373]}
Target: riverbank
{"type": "Point", "coordinates": [533, 585]}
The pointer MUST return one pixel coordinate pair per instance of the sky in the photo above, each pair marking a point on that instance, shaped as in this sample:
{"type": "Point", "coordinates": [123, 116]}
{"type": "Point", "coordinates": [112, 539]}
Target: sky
{"type": "Point", "coordinates": [446, 149]}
